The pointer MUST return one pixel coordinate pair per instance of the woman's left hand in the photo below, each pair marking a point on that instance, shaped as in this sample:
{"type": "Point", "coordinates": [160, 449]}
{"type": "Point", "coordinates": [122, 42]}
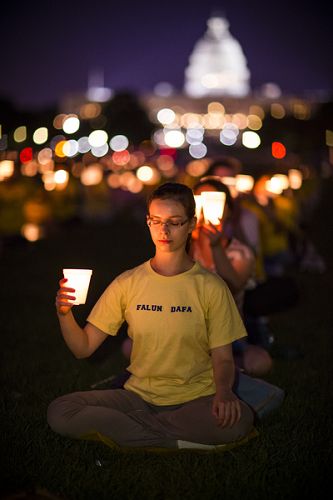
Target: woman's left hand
{"type": "Point", "coordinates": [226, 408]}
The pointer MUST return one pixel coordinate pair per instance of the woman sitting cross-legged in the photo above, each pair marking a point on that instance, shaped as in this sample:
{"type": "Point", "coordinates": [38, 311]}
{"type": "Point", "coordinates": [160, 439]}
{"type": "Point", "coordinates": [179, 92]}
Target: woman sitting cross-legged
{"type": "Point", "coordinates": [234, 262]}
{"type": "Point", "coordinates": [182, 320]}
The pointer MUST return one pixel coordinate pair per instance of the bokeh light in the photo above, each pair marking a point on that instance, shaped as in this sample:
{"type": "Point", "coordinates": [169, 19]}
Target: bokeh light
{"type": "Point", "coordinates": [92, 175]}
{"type": "Point", "coordinates": [71, 124]}
{"type": "Point", "coordinates": [6, 169]}
{"type": "Point", "coordinates": [278, 150]}
{"type": "Point", "coordinates": [251, 139]}
{"type": "Point", "coordinates": [26, 155]}
{"type": "Point", "coordinates": [119, 143]}
{"type": "Point", "coordinates": [31, 232]}
{"type": "Point", "coordinates": [198, 150]}
{"type": "Point", "coordinates": [174, 138]}
{"type": "Point", "coordinates": [40, 135]}
{"type": "Point", "coordinates": [166, 116]}
{"type": "Point", "coordinates": [97, 138]}
{"type": "Point", "coordinates": [20, 134]}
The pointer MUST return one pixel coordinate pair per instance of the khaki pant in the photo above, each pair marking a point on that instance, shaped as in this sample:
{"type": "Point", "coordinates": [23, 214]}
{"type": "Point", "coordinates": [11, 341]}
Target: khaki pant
{"type": "Point", "coordinates": [126, 419]}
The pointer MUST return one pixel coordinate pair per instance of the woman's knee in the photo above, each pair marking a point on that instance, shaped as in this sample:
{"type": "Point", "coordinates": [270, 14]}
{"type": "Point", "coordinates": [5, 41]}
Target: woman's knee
{"type": "Point", "coordinates": [257, 361]}
{"type": "Point", "coordinates": [195, 422]}
{"type": "Point", "coordinates": [246, 420]}
{"type": "Point", "coordinates": [58, 414]}
{"type": "Point", "coordinates": [239, 430]}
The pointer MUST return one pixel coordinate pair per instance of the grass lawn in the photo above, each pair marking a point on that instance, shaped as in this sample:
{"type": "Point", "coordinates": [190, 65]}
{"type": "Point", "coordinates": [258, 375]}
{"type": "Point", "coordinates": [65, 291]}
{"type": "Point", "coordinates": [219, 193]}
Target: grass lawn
{"type": "Point", "coordinates": [292, 455]}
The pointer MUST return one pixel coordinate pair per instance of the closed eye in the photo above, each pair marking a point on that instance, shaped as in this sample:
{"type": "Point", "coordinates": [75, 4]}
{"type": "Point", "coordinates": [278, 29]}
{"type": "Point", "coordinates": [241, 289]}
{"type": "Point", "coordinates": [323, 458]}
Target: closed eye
{"type": "Point", "coordinates": [168, 223]}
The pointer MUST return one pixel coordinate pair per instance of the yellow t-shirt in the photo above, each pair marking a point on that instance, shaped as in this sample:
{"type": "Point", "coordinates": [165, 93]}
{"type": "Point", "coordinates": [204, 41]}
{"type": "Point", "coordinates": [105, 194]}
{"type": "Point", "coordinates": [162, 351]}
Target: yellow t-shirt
{"type": "Point", "coordinates": [173, 321]}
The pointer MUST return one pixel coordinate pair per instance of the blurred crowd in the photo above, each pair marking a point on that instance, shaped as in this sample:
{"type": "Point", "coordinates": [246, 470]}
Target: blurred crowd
{"type": "Point", "coordinates": [258, 247]}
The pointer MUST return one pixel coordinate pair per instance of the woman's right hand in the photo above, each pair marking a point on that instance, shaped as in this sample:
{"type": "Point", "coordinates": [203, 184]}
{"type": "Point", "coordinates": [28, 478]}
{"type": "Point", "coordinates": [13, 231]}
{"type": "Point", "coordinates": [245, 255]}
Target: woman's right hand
{"type": "Point", "coordinates": [63, 298]}
{"type": "Point", "coordinates": [214, 233]}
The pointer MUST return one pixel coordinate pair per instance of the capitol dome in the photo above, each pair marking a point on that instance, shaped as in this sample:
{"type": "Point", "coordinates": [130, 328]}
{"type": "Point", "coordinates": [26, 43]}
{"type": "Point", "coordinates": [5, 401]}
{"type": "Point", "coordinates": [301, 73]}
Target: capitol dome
{"type": "Point", "coordinates": [217, 65]}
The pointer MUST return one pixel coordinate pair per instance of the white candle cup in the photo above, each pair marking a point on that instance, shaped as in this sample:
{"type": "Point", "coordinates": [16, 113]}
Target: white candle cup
{"type": "Point", "coordinates": [213, 206]}
{"type": "Point", "coordinates": [79, 279]}
{"type": "Point", "coordinates": [198, 205]}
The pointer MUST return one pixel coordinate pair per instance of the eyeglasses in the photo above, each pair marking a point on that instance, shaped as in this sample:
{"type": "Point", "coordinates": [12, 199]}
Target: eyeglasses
{"type": "Point", "coordinates": [170, 224]}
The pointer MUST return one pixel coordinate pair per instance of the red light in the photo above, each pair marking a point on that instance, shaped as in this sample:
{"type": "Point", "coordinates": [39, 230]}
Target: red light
{"type": "Point", "coordinates": [121, 157]}
{"type": "Point", "coordinates": [168, 152]}
{"type": "Point", "coordinates": [278, 150]}
{"type": "Point", "coordinates": [26, 155]}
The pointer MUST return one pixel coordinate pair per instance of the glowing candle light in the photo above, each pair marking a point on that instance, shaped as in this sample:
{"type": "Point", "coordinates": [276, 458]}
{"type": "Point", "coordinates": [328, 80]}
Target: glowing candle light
{"type": "Point", "coordinates": [213, 206]}
{"type": "Point", "coordinates": [283, 179]}
{"type": "Point", "coordinates": [244, 183]}
{"type": "Point", "coordinates": [198, 205]}
{"type": "Point", "coordinates": [274, 185]}
{"type": "Point", "coordinates": [79, 279]}
{"type": "Point", "coordinates": [6, 169]}
{"type": "Point", "coordinates": [295, 178]}
{"type": "Point", "coordinates": [31, 231]}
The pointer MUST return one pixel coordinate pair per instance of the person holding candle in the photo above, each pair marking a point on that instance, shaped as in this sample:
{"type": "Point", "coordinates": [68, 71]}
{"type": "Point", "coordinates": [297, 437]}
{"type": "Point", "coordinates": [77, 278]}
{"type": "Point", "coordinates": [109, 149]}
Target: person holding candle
{"type": "Point", "coordinates": [215, 247]}
{"type": "Point", "coordinates": [182, 319]}
{"type": "Point", "coordinates": [251, 226]}
{"type": "Point", "coordinates": [245, 222]}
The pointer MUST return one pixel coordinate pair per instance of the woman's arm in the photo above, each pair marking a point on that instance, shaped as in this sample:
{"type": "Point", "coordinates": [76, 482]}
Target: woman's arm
{"type": "Point", "coordinates": [81, 341]}
{"type": "Point", "coordinates": [226, 405]}
{"type": "Point", "coordinates": [235, 272]}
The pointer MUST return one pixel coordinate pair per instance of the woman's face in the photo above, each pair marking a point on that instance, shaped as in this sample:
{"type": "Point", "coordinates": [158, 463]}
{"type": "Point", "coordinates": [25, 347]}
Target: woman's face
{"type": "Point", "coordinates": [169, 225]}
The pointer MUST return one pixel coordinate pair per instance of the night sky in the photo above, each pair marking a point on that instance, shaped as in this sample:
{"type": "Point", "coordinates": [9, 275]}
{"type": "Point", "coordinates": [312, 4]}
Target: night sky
{"type": "Point", "coordinates": [49, 48]}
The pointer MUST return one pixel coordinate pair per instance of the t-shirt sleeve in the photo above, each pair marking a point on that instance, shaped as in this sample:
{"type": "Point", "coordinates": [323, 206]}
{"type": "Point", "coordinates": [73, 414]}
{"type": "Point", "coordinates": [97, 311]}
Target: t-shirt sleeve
{"type": "Point", "coordinates": [224, 322]}
{"type": "Point", "coordinates": [108, 312]}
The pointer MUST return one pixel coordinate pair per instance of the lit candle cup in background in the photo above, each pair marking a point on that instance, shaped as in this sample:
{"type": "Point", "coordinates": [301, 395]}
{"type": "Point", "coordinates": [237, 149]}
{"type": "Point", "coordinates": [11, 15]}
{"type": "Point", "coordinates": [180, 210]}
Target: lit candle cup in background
{"type": "Point", "coordinates": [283, 179]}
{"type": "Point", "coordinates": [277, 184]}
{"type": "Point", "coordinates": [295, 178]}
{"type": "Point", "coordinates": [244, 183]}
{"type": "Point", "coordinates": [198, 205]}
{"type": "Point", "coordinates": [79, 279]}
{"type": "Point", "coordinates": [274, 186]}
{"type": "Point", "coordinates": [213, 206]}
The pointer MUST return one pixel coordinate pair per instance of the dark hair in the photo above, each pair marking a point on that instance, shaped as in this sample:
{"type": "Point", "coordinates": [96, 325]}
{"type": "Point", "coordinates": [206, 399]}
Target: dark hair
{"type": "Point", "coordinates": [177, 192]}
{"type": "Point", "coordinates": [225, 161]}
{"type": "Point", "coordinates": [216, 183]}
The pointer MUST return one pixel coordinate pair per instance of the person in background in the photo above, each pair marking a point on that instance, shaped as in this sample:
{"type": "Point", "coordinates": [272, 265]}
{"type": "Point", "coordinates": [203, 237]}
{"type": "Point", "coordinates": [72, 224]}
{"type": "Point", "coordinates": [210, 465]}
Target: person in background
{"type": "Point", "coordinates": [182, 320]}
{"type": "Point", "coordinates": [218, 250]}
{"type": "Point", "coordinates": [276, 289]}
{"type": "Point", "coordinates": [254, 227]}
{"type": "Point", "coordinates": [225, 166]}
{"type": "Point", "coordinates": [276, 222]}
{"type": "Point", "coordinates": [244, 221]}
{"type": "Point", "coordinates": [301, 204]}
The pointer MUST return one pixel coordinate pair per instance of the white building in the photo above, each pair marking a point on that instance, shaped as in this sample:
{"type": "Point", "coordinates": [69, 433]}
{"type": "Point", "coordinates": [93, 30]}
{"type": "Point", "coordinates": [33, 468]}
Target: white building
{"type": "Point", "coordinates": [217, 65]}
